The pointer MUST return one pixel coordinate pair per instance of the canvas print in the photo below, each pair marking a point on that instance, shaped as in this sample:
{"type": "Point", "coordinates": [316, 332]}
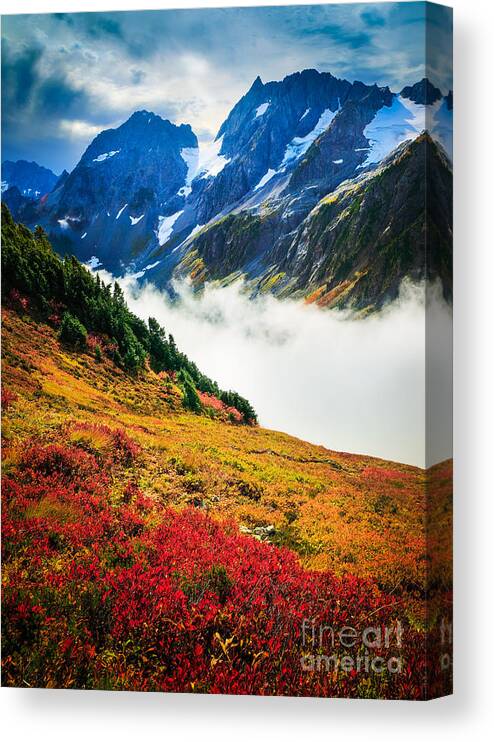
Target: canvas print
{"type": "Point", "coordinates": [226, 350]}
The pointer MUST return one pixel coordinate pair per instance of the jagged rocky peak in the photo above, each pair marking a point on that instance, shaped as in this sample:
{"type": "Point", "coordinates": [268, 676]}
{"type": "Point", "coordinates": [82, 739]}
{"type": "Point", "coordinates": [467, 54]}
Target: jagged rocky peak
{"type": "Point", "coordinates": [299, 98]}
{"type": "Point", "coordinates": [32, 180]}
{"type": "Point", "coordinates": [256, 85]}
{"type": "Point", "coordinates": [128, 179]}
{"type": "Point", "coordinates": [62, 179]}
{"type": "Point", "coordinates": [424, 93]}
{"type": "Point", "coordinates": [145, 155]}
{"type": "Point", "coordinates": [145, 131]}
{"type": "Point", "coordinates": [370, 95]}
{"type": "Point", "coordinates": [267, 130]}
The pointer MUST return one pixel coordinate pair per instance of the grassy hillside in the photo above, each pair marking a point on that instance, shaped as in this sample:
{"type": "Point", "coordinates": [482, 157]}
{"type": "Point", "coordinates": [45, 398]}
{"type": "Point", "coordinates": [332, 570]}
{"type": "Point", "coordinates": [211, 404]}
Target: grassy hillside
{"type": "Point", "coordinates": [114, 496]}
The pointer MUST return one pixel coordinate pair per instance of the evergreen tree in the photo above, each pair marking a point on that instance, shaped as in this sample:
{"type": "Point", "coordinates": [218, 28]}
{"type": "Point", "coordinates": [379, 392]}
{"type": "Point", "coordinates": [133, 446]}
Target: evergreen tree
{"type": "Point", "coordinates": [72, 331]}
{"type": "Point", "coordinates": [190, 399]}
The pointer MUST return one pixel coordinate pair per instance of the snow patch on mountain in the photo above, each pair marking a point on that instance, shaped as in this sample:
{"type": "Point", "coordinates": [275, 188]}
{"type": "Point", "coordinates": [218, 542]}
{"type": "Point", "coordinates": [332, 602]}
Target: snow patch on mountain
{"type": "Point", "coordinates": [261, 110]}
{"type": "Point", "coordinates": [299, 145]}
{"type": "Point", "coordinates": [267, 176]}
{"type": "Point", "coordinates": [417, 111]}
{"type": "Point", "coordinates": [106, 155]}
{"type": "Point", "coordinates": [190, 155]}
{"type": "Point", "coordinates": [210, 161]}
{"type": "Point", "coordinates": [165, 226]}
{"type": "Point", "coordinates": [391, 126]}
{"type": "Point", "coordinates": [120, 212]}
{"type": "Point", "coordinates": [439, 121]}
{"type": "Point", "coordinates": [136, 219]}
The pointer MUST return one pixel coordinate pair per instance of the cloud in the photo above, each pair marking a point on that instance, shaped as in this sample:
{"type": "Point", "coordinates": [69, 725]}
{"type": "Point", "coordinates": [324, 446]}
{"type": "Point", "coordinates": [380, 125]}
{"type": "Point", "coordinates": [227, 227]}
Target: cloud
{"type": "Point", "coordinates": [55, 96]}
{"type": "Point", "coordinates": [37, 98]}
{"type": "Point", "coordinates": [193, 65]}
{"type": "Point", "coordinates": [96, 25]}
{"type": "Point", "coordinates": [356, 385]}
{"type": "Point", "coordinates": [354, 39]}
{"type": "Point", "coordinates": [373, 17]}
{"type": "Point", "coordinates": [19, 76]}
{"type": "Point", "coordinates": [137, 76]}
{"type": "Point", "coordinates": [78, 130]}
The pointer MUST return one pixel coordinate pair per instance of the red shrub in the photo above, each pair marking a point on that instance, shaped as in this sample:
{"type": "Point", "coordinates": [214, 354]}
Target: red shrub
{"type": "Point", "coordinates": [8, 398]}
{"type": "Point", "coordinates": [219, 407]}
{"type": "Point", "coordinates": [57, 461]}
{"type": "Point", "coordinates": [125, 450]}
{"type": "Point", "coordinates": [18, 300]}
{"type": "Point", "coordinates": [379, 473]}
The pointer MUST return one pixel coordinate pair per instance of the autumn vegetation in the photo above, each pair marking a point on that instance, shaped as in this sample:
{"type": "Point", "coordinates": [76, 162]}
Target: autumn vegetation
{"type": "Point", "coordinates": [155, 538]}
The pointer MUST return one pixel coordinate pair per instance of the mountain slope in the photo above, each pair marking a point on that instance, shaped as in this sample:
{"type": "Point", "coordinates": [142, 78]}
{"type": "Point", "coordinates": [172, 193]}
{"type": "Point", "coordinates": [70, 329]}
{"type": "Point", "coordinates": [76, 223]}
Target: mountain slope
{"type": "Point", "coordinates": [170, 555]}
{"type": "Point", "coordinates": [128, 179]}
{"type": "Point", "coordinates": [355, 246]}
{"type": "Point", "coordinates": [148, 548]}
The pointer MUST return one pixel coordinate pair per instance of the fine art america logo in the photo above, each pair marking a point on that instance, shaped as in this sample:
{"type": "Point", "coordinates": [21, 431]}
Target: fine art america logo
{"type": "Point", "coordinates": [374, 649]}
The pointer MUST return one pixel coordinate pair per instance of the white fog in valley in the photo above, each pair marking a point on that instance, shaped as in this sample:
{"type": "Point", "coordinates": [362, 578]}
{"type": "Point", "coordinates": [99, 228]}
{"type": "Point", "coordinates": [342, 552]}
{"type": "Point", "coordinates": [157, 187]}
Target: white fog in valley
{"type": "Point", "coordinates": [355, 385]}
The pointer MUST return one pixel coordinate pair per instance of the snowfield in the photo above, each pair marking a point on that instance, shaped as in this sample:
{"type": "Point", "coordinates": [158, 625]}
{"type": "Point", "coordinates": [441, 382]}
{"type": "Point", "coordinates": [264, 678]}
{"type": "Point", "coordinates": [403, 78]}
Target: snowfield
{"type": "Point", "coordinates": [267, 176]}
{"type": "Point", "coordinates": [210, 161]}
{"type": "Point", "coordinates": [165, 226]}
{"type": "Point", "coordinates": [299, 145]}
{"type": "Point", "coordinates": [261, 110]}
{"type": "Point", "coordinates": [106, 155]}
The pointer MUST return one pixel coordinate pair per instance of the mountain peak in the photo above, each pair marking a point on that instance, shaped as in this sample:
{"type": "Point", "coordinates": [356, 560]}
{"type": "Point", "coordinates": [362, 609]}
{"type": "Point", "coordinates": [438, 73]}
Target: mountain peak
{"type": "Point", "coordinates": [144, 116]}
{"type": "Point", "coordinates": [424, 93]}
{"type": "Point", "coordinates": [31, 179]}
{"type": "Point", "coordinates": [256, 85]}
{"type": "Point", "coordinates": [61, 180]}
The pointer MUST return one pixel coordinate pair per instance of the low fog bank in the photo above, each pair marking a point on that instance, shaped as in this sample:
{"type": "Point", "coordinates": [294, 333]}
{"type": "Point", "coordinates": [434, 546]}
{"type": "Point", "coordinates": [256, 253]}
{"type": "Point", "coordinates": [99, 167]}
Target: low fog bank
{"type": "Point", "coordinates": [355, 385]}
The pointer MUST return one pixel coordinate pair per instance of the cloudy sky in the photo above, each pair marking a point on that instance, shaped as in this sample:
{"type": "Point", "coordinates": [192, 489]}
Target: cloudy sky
{"type": "Point", "coordinates": [65, 77]}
